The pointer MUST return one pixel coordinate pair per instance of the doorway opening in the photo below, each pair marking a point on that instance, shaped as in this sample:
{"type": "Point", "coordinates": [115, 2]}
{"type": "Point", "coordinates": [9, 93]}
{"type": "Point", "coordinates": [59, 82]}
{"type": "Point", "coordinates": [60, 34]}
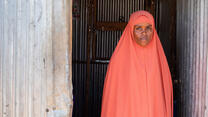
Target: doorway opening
{"type": "Point", "coordinates": [97, 27]}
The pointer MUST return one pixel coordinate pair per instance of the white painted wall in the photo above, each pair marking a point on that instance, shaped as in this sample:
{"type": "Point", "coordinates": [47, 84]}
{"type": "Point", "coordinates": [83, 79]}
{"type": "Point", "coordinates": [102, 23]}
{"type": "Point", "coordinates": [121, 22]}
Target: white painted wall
{"type": "Point", "coordinates": [35, 58]}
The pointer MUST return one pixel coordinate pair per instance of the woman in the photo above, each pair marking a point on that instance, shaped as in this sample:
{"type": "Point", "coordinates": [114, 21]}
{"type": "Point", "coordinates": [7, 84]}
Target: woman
{"type": "Point", "coordinates": [138, 81]}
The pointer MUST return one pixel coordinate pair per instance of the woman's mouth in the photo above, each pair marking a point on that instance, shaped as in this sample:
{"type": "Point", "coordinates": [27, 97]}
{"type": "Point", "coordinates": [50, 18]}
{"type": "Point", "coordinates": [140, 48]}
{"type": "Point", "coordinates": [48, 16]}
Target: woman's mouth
{"type": "Point", "coordinates": [143, 39]}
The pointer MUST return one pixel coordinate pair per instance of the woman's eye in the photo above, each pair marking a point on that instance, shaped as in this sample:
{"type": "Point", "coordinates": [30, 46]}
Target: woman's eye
{"type": "Point", "coordinates": [139, 28]}
{"type": "Point", "coordinates": [149, 28]}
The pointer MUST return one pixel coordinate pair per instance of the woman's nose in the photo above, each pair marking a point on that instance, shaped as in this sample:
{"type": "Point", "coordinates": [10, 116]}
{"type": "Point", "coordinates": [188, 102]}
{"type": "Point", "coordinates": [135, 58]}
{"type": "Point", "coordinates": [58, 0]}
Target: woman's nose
{"type": "Point", "coordinates": [144, 32]}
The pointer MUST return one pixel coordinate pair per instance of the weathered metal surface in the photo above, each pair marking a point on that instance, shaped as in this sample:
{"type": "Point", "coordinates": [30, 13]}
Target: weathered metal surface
{"type": "Point", "coordinates": [110, 26]}
{"type": "Point", "coordinates": [166, 27]}
{"type": "Point", "coordinates": [35, 64]}
{"type": "Point", "coordinates": [79, 45]}
{"type": "Point", "coordinates": [192, 51]}
{"type": "Point", "coordinates": [206, 96]}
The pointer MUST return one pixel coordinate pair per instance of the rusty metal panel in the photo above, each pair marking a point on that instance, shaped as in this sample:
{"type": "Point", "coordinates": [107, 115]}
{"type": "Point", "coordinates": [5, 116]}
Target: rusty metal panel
{"type": "Point", "coordinates": [110, 26]}
{"type": "Point", "coordinates": [79, 55]}
{"type": "Point", "coordinates": [192, 51]}
{"type": "Point", "coordinates": [166, 28]}
{"type": "Point", "coordinates": [117, 10]}
{"type": "Point", "coordinates": [35, 66]}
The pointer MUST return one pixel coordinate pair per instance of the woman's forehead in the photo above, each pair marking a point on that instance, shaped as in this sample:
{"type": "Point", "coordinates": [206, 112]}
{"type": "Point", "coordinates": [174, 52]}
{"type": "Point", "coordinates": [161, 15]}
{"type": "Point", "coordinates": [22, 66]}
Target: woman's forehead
{"type": "Point", "coordinates": [142, 20]}
{"type": "Point", "coordinates": [143, 24]}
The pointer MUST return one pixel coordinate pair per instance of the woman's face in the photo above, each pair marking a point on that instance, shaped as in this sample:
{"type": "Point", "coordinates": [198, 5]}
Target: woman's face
{"type": "Point", "coordinates": [143, 33]}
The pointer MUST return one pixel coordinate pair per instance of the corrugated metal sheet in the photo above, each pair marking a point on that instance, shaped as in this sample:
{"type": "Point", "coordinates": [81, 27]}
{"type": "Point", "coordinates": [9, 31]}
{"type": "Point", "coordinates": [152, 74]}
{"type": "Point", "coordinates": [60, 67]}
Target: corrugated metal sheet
{"type": "Point", "coordinates": [79, 51]}
{"type": "Point", "coordinates": [117, 10]}
{"type": "Point", "coordinates": [35, 51]}
{"type": "Point", "coordinates": [192, 51]}
{"type": "Point", "coordinates": [166, 29]}
{"type": "Point", "coordinates": [206, 96]}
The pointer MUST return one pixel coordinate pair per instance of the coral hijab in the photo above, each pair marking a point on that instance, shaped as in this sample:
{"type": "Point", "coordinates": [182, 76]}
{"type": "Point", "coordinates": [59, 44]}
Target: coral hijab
{"type": "Point", "coordinates": [138, 81]}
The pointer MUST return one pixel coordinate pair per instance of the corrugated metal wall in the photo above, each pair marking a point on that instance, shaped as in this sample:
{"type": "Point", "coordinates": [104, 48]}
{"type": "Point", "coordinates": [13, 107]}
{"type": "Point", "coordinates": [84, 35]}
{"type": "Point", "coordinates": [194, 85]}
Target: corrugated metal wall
{"type": "Point", "coordinates": [117, 10]}
{"type": "Point", "coordinates": [35, 58]}
{"type": "Point", "coordinates": [206, 96]}
{"type": "Point", "coordinates": [79, 55]}
{"type": "Point", "coordinates": [192, 51]}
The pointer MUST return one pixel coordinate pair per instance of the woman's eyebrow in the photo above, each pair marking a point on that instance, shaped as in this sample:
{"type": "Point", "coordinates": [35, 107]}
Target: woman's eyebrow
{"type": "Point", "coordinates": [142, 25]}
{"type": "Point", "coordinates": [137, 25]}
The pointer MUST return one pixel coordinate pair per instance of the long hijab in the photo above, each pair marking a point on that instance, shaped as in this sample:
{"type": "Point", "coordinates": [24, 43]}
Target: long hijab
{"type": "Point", "coordinates": [138, 81]}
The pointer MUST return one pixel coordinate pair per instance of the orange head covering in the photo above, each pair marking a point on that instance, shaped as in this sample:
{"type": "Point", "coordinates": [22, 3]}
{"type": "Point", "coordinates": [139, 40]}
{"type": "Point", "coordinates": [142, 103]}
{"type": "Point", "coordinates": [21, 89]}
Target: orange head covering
{"type": "Point", "coordinates": [138, 81]}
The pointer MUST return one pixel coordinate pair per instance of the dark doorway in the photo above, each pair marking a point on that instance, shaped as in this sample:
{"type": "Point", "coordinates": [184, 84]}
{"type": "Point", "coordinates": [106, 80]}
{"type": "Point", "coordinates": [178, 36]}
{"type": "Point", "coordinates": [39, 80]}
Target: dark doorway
{"type": "Point", "coordinates": [97, 27]}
